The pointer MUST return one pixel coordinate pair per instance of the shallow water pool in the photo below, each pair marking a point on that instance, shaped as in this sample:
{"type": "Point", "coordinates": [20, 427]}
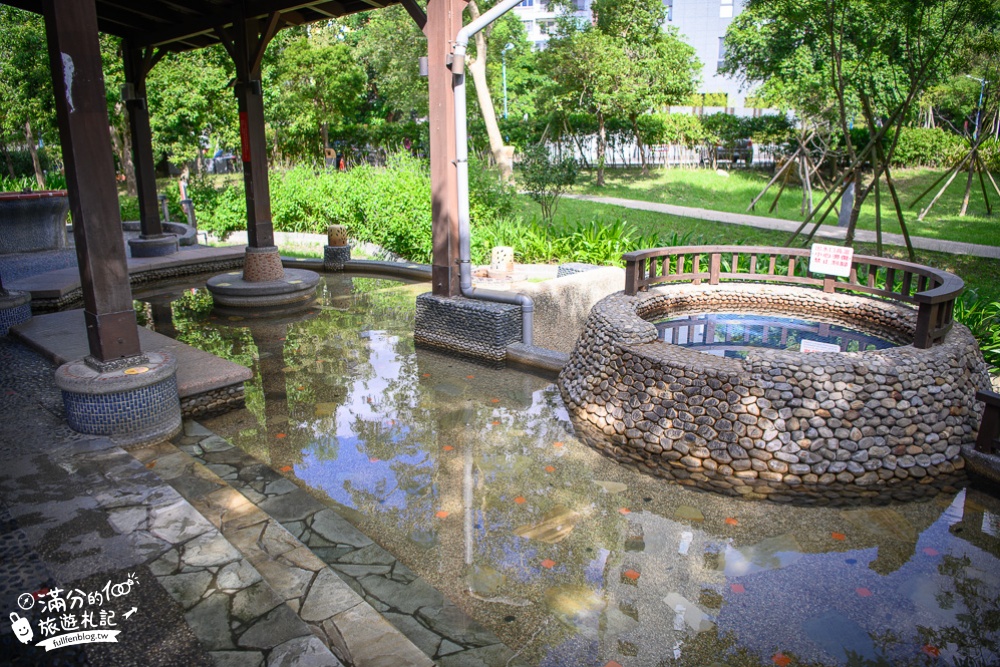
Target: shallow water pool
{"type": "Point", "coordinates": [472, 477]}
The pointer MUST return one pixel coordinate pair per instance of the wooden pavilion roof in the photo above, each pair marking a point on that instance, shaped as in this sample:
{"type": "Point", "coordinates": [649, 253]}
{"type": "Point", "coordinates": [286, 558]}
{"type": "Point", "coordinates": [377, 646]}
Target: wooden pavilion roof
{"type": "Point", "coordinates": [183, 25]}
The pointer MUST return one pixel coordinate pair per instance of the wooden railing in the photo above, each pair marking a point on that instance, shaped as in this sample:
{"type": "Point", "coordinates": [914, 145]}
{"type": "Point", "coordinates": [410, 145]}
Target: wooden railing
{"type": "Point", "coordinates": [932, 291]}
{"type": "Point", "coordinates": [988, 441]}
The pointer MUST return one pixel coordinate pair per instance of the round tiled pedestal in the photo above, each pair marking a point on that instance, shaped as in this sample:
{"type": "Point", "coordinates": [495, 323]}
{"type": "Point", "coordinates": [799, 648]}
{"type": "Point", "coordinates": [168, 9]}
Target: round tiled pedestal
{"type": "Point", "coordinates": [134, 404]}
{"type": "Point", "coordinates": [153, 246]}
{"type": "Point", "coordinates": [15, 307]}
{"type": "Point", "coordinates": [264, 287]}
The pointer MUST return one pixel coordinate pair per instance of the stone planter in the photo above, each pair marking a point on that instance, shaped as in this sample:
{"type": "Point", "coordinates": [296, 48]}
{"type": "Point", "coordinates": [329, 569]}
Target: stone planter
{"type": "Point", "coordinates": [33, 221]}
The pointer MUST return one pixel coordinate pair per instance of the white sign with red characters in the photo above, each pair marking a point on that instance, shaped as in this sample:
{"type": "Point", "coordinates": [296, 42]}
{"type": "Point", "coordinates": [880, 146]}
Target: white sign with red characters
{"type": "Point", "coordinates": [832, 260]}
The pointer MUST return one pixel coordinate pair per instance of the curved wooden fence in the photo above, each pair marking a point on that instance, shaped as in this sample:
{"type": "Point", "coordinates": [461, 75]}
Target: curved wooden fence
{"type": "Point", "coordinates": [931, 290]}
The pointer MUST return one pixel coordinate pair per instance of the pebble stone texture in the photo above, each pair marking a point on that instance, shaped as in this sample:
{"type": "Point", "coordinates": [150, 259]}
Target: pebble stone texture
{"type": "Point", "coordinates": [130, 405]}
{"type": "Point", "coordinates": [470, 327]}
{"type": "Point", "coordinates": [334, 257]}
{"type": "Point", "coordinates": [15, 307]}
{"type": "Point", "coordinates": [212, 403]}
{"type": "Point", "coordinates": [776, 424]}
{"type": "Point", "coordinates": [262, 265]}
{"type": "Point", "coordinates": [571, 268]}
{"type": "Point", "coordinates": [372, 579]}
{"type": "Point", "coordinates": [82, 511]}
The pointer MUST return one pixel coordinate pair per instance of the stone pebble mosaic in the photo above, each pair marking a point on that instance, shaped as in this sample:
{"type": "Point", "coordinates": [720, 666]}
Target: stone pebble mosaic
{"type": "Point", "coordinates": [776, 422]}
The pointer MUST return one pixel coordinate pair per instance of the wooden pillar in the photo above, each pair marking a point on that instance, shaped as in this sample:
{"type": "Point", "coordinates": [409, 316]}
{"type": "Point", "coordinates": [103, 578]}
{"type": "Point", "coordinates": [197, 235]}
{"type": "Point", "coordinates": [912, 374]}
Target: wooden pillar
{"type": "Point", "coordinates": [247, 50]}
{"type": "Point", "coordinates": [81, 108]}
{"type": "Point", "coordinates": [444, 20]}
{"type": "Point", "coordinates": [137, 66]}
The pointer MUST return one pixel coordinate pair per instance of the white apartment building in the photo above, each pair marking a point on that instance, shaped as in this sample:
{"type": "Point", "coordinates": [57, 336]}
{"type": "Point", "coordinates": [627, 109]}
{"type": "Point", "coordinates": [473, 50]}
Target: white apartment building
{"type": "Point", "coordinates": [701, 23]}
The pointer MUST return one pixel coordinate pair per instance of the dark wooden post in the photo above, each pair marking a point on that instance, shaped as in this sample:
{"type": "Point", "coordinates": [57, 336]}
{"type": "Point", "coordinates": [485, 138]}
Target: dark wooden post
{"type": "Point", "coordinates": [81, 108]}
{"type": "Point", "coordinates": [137, 66]}
{"type": "Point", "coordinates": [246, 47]}
{"type": "Point", "coordinates": [989, 429]}
{"type": "Point", "coordinates": [444, 20]}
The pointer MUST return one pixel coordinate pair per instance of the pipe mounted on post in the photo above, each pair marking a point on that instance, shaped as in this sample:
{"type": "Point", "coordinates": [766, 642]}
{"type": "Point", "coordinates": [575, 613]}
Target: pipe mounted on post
{"type": "Point", "coordinates": [457, 62]}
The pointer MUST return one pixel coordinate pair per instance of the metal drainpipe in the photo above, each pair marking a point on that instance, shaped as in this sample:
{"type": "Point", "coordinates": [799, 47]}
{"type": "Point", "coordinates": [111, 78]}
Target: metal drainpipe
{"type": "Point", "coordinates": [462, 168]}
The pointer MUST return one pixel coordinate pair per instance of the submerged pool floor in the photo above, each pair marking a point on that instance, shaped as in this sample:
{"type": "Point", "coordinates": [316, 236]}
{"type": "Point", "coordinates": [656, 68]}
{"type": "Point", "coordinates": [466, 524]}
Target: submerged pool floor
{"type": "Point", "coordinates": [472, 477]}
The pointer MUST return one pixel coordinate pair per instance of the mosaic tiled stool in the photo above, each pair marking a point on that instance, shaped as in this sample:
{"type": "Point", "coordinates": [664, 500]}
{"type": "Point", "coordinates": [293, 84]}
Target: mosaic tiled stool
{"type": "Point", "coordinates": [15, 307]}
{"type": "Point", "coordinates": [136, 403]}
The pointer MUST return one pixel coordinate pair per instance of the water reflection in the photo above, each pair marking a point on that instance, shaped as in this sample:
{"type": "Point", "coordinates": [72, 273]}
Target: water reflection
{"type": "Point", "coordinates": [732, 335]}
{"type": "Point", "coordinates": [472, 477]}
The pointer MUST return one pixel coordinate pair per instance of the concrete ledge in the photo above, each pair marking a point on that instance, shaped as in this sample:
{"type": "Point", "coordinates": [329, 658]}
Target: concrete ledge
{"type": "Point", "coordinates": [58, 288]}
{"type": "Point", "coordinates": [62, 337]}
{"type": "Point", "coordinates": [158, 246]}
{"type": "Point", "coordinates": [537, 357]}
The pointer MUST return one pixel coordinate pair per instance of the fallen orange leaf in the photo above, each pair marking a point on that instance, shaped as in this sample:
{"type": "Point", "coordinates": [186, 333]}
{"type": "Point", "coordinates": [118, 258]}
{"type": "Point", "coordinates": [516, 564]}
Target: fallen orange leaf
{"type": "Point", "coordinates": [447, 448]}
{"type": "Point", "coordinates": [781, 660]}
{"type": "Point", "coordinates": [548, 563]}
{"type": "Point", "coordinates": [442, 514]}
{"type": "Point", "coordinates": [731, 521]}
{"type": "Point", "coordinates": [550, 469]}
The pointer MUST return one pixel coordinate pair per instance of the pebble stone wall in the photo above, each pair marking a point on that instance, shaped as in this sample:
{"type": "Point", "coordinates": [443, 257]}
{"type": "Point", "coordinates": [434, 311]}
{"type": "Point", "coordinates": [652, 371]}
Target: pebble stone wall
{"type": "Point", "coordinates": [779, 424]}
{"type": "Point", "coordinates": [215, 402]}
{"type": "Point", "coordinates": [469, 327]}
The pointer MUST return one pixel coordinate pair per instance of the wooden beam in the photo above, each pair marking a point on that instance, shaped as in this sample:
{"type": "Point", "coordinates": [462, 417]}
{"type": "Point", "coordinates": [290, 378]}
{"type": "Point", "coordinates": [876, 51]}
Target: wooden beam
{"type": "Point", "coordinates": [444, 20]}
{"type": "Point", "coordinates": [415, 12]}
{"type": "Point", "coordinates": [330, 8]}
{"type": "Point", "coordinates": [253, 143]}
{"type": "Point", "coordinates": [82, 112]}
{"type": "Point", "coordinates": [271, 27]}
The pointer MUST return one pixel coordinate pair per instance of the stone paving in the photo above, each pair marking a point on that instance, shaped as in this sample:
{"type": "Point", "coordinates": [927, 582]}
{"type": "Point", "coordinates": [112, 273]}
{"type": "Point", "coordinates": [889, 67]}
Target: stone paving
{"type": "Point", "coordinates": [417, 610]}
{"type": "Point", "coordinates": [80, 511]}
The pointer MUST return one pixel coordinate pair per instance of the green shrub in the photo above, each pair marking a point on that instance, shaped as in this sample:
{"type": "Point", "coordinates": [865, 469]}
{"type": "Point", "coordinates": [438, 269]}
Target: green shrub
{"type": "Point", "coordinates": [927, 147]}
{"type": "Point", "coordinates": [546, 179]}
{"type": "Point", "coordinates": [983, 319]}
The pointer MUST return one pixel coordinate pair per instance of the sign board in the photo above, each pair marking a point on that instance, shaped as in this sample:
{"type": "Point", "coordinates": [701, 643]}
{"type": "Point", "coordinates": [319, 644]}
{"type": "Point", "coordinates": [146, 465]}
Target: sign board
{"type": "Point", "coordinates": [816, 346]}
{"type": "Point", "coordinates": [832, 260]}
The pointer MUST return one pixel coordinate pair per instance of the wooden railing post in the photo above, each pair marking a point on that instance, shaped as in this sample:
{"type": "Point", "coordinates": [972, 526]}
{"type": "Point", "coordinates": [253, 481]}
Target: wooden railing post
{"type": "Point", "coordinates": [922, 337]}
{"type": "Point", "coordinates": [989, 430]}
{"type": "Point", "coordinates": [632, 278]}
{"type": "Point", "coordinates": [714, 264]}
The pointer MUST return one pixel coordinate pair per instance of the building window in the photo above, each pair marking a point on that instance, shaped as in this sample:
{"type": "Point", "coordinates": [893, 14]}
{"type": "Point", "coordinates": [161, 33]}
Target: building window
{"type": "Point", "coordinates": [545, 26]}
{"type": "Point", "coordinates": [669, 5]}
{"type": "Point", "coordinates": [529, 26]}
{"type": "Point", "coordinates": [527, 3]}
{"type": "Point", "coordinates": [726, 9]}
{"type": "Point", "coordinates": [722, 53]}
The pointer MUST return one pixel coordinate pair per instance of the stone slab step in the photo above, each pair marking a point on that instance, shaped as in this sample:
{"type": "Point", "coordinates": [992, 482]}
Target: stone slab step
{"type": "Point", "coordinates": [92, 513]}
{"type": "Point", "coordinates": [420, 612]}
{"type": "Point", "coordinates": [335, 613]}
{"type": "Point", "coordinates": [62, 337]}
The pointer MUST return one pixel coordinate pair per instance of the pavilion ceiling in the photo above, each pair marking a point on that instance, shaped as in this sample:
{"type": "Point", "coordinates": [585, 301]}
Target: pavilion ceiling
{"type": "Point", "coordinates": [183, 25]}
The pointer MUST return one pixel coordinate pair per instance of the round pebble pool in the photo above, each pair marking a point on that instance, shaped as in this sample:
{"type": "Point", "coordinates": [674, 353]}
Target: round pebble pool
{"type": "Point", "coordinates": [473, 478]}
{"type": "Point", "coordinates": [734, 334]}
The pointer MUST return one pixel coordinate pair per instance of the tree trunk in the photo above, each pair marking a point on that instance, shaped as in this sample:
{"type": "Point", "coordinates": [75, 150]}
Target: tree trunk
{"type": "Point", "coordinates": [324, 133]}
{"type": "Point", "coordinates": [478, 69]}
{"type": "Point", "coordinates": [602, 145]}
{"type": "Point", "coordinates": [638, 143]}
{"type": "Point", "coordinates": [33, 149]}
{"type": "Point", "coordinates": [6, 155]}
{"type": "Point", "coordinates": [121, 142]}
{"type": "Point", "coordinates": [968, 186]}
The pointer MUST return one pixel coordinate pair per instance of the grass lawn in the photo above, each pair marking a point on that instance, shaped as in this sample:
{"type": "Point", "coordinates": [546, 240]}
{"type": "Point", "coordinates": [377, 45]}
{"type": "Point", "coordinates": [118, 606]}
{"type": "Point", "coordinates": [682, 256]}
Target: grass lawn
{"type": "Point", "coordinates": [980, 274]}
{"type": "Point", "coordinates": [704, 188]}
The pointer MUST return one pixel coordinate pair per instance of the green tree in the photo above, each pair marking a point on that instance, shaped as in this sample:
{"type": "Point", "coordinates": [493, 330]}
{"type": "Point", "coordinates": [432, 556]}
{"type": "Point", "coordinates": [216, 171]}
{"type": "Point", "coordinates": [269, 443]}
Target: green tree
{"type": "Point", "coordinates": [319, 86]}
{"type": "Point", "coordinates": [546, 179]}
{"type": "Point", "coordinates": [28, 110]}
{"type": "Point", "coordinates": [623, 67]}
{"type": "Point", "coordinates": [864, 60]}
{"type": "Point", "coordinates": [389, 45]}
{"type": "Point", "coordinates": [191, 107]}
